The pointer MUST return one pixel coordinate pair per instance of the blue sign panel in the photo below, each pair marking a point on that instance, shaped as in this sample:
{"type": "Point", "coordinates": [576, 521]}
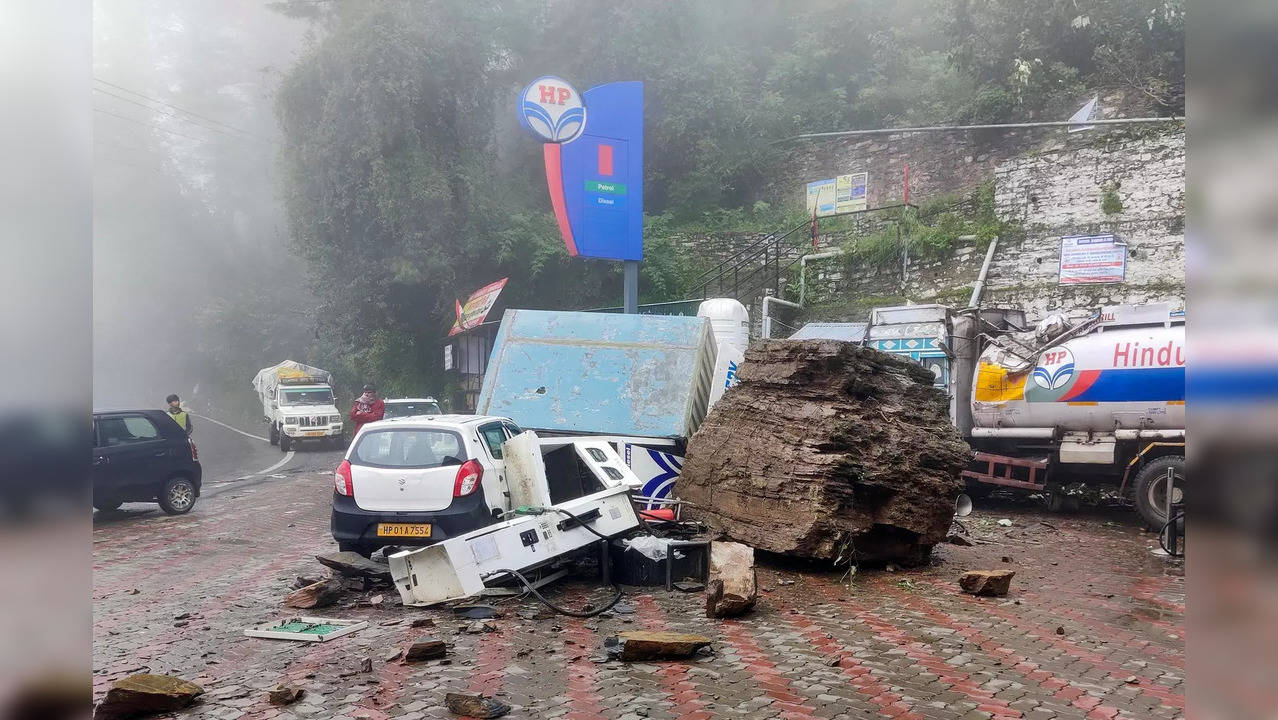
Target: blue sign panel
{"type": "Point", "coordinates": [602, 171]}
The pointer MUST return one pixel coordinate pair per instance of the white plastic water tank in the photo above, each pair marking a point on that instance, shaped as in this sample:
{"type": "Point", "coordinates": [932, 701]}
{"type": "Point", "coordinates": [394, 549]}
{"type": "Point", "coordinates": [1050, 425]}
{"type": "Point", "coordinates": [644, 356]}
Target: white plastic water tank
{"type": "Point", "coordinates": [729, 319]}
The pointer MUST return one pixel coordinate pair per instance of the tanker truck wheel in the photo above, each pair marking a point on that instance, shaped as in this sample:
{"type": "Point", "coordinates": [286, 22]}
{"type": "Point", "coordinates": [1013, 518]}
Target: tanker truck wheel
{"type": "Point", "coordinates": [1150, 489]}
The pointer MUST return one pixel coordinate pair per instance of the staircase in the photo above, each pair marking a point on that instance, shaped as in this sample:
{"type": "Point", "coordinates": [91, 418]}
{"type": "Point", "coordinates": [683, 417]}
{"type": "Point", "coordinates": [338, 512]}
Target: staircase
{"type": "Point", "coordinates": [755, 271]}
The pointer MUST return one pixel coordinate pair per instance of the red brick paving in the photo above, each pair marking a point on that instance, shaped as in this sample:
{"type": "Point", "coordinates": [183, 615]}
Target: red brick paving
{"type": "Point", "coordinates": [907, 644]}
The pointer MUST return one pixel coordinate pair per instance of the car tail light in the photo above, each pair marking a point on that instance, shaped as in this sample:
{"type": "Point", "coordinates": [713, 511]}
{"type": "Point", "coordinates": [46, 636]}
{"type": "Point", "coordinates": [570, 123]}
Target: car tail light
{"type": "Point", "coordinates": [342, 480]}
{"type": "Point", "coordinates": [195, 452]}
{"type": "Point", "coordinates": [468, 477]}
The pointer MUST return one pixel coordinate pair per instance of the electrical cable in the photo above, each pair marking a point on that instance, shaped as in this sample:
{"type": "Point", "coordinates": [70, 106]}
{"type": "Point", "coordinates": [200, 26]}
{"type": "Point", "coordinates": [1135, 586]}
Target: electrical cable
{"type": "Point", "coordinates": [529, 586]}
{"type": "Point", "coordinates": [562, 611]}
{"type": "Point", "coordinates": [1162, 533]}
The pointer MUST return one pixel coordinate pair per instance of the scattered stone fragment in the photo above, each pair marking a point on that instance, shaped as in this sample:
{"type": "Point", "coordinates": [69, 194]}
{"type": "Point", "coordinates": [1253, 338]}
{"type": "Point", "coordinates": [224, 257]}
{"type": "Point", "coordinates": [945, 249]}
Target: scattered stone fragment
{"type": "Point", "coordinates": [623, 608]}
{"type": "Point", "coordinates": [785, 582]}
{"type": "Point", "coordinates": [957, 539]}
{"type": "Point", "coordinates": [426, 649]}
{"type": "Point", "coordinates": [351, 564]}
{"type": "Point", "coordinates": [1132, 680]}
{"type": "Point", "coordinates": [147, 694]}
{"type": "Point", "coordinates": [1060, 629]}
{"type": "Point", "coordinates": [733, 588]}
{"type": "Point", "coordinates": [994, 583]}
{"type": "Point", "coordinates": [377, 600]}
{"type": "Point", "coordinates": [284, 694]}
{"type": "Point", "coordinates": [320, 594]}
{"type": "Point", "coordinates": [689, 586]}
{"type": "Point", "coordinates": [300, 582]}
{"type": "Point", "coordinates": [643, 645]}
{"type": "Point", "coordinates": [477, 612]}
{"type": "Point", "coordinates": [480, 626]}
{"type": "Point", "coordinates": [476, 706]}
{"type": "Point", "coordinates": [393, 656]}
{"type": "Point", "coordinates": [366, 665]}
{"type": "Point", "coordinates": [1004, 522]}
{"type": "Point", "coordinates": [422, 623]}
{"type": "Point", "coordinates": [1007, 558]}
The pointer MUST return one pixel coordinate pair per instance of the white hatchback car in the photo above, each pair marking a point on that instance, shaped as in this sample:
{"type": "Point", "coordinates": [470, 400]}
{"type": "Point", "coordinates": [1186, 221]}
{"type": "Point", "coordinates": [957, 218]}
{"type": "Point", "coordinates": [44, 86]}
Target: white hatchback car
{"type": "Point", "coordinates": [409, 407]}
{"type": "Point", "coordinates": [414, 481]}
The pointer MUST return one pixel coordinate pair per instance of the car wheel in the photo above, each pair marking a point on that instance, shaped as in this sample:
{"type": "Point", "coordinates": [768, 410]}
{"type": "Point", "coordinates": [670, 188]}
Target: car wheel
{"type": "Point", "coordinates": [107, 505]}
{"type": "Point", "coordinates": [178, 496]}
{"type": "Point", "coordinates": [286, 443]}
{"type": "Point", "coordinates": [274, 434]}
{"type": "Point", "coordinates": [1151, 489]}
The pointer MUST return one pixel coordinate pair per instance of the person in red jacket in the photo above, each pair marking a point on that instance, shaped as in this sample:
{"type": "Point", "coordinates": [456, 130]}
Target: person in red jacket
{"type": "Point", "coordinates": [367, 408]}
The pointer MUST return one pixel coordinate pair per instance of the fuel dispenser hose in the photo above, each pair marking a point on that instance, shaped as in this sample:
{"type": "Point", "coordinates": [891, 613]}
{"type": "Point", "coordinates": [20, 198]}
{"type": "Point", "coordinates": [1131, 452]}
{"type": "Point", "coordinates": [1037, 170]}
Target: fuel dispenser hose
{"type": "Point", "coordinates": [529, 586]}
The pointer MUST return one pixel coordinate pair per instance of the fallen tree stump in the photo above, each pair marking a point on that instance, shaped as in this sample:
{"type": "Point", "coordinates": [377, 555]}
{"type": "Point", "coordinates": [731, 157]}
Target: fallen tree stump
{"type": "Point", "coordinates": [828, 450]}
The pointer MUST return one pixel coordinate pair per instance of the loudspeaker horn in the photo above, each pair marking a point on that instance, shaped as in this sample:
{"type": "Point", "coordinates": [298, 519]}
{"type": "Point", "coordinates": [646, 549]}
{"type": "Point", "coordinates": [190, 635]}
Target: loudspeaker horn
{"type": "Point", "coordinates": [962, 505]}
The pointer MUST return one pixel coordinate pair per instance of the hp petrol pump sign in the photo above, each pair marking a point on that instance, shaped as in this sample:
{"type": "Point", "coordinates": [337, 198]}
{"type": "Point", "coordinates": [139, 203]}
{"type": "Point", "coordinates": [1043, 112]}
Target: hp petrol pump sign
{"type": "Point", "coordinates": [552, 110]}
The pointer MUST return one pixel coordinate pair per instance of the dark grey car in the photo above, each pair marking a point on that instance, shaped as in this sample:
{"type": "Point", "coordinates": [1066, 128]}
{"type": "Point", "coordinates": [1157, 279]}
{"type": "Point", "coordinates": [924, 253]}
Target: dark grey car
{"type": "Point", "coordinates": [143, 456]}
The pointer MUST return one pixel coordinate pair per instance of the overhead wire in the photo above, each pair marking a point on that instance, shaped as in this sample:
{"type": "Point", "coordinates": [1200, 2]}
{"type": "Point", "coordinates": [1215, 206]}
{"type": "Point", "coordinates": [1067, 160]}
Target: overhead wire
{"type": "Point", "coordinates": [246, 135]}
{"type": "Point", "coordinates": [167, 104]}
{"type": "Point", "coordinates": [150, 125]}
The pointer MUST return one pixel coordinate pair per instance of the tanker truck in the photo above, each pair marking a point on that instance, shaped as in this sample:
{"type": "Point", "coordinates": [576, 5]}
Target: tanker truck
{"type": "Point", "coordinates": [1101, 400]}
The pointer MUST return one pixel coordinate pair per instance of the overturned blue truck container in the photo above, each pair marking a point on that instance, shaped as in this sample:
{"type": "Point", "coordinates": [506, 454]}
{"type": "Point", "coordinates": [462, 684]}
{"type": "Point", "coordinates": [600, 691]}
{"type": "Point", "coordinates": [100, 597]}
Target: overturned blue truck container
{"type": "Point", "coordinates": [642, 381]}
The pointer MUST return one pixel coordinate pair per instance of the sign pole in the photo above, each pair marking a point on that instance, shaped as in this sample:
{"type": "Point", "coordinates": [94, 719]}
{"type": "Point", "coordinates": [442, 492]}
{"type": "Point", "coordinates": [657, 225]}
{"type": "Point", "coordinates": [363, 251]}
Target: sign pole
{"type": "Point", "coordinates": [630, 287]}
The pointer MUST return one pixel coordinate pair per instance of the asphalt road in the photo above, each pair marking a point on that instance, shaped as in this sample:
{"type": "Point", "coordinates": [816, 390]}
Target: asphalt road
{"type": "Point", "coordinates": [234, 462]}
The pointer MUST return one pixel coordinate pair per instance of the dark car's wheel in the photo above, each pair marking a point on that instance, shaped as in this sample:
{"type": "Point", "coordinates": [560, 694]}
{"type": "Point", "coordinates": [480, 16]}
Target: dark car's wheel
{"type": "Point", "coordinates": [107, 505]}
{"type": "Point", "coordinates": [274, 434]}
{"type": "Point", "coordinates": [178, 496]}
{"type": "Point", "coordinates": [1151, 489]}
{"type": "Point", "coordinates": [286, 443]}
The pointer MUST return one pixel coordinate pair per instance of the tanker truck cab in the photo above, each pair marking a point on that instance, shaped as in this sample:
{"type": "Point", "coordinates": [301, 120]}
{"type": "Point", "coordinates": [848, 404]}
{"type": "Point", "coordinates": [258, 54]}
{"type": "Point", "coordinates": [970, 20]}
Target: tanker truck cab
{"type": "Point", "coordinates": [305, 412]}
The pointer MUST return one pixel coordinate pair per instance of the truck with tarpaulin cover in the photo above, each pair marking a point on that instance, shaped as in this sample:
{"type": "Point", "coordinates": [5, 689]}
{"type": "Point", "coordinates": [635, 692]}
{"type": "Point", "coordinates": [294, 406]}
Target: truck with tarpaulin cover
{"type": "Point", "coordinates": [298, 405]}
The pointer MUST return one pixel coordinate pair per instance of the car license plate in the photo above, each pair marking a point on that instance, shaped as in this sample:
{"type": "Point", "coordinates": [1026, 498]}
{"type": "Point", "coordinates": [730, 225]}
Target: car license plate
{"type": "Point", "coordinates": [315, 433]}
{"type": "Point", "coordinates": [419, 530]}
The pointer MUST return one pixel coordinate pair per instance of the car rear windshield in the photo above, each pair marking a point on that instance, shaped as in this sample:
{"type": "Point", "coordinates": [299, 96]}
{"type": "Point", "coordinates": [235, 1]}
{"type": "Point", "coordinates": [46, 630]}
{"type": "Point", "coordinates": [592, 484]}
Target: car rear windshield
{"type": "Point", "coordinates": [407, 409]}
{"type": "Point", "coordinates": [409, 448]}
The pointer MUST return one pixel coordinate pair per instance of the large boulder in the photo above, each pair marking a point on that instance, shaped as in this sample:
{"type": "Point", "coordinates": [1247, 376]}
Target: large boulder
{"type": "Point", "coordinates": [828, 450]}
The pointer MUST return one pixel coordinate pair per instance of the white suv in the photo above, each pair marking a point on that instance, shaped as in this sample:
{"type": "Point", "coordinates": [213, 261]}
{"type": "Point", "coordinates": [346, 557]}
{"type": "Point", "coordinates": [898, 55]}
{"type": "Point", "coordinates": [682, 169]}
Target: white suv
{"type": "Point", "coordinates": [414, 481]}
{"type": "Point", "coordinates": [409, 407]}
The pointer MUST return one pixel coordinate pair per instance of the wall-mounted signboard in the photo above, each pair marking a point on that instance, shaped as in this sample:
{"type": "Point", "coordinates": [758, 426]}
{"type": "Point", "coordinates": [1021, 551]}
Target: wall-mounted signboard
{"type": "Point", "coordinates": [1092, 259]}
{"type": "Point", "coordinates": [845, 193]}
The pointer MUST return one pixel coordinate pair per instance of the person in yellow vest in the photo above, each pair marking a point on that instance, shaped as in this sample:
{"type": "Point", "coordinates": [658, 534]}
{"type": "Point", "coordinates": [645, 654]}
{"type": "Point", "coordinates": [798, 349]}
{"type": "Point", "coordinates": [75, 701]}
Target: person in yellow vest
{"type": "Point", "coordinates": [180, 416]}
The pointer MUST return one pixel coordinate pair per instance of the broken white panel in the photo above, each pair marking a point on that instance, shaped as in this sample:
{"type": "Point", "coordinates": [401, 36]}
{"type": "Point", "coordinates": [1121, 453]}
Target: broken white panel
{"type": "Point", "coordinates": [525, 466]}
{"type": "Point", "coordinates": [525, 471]}
{"type": "Point", "coordinates": [457, 568]}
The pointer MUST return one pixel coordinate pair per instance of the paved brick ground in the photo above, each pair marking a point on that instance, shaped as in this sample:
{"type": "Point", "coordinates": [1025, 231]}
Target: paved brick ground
{"type": "Point", "coordinates": [1094, 629]}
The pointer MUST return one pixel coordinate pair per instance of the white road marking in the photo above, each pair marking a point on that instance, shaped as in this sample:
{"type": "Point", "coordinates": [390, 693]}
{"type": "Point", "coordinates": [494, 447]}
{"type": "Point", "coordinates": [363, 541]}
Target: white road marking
{"type": "Point", "coordinates": [236, 430]}
{"type": "Point", "coordinates": [287, 456]}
